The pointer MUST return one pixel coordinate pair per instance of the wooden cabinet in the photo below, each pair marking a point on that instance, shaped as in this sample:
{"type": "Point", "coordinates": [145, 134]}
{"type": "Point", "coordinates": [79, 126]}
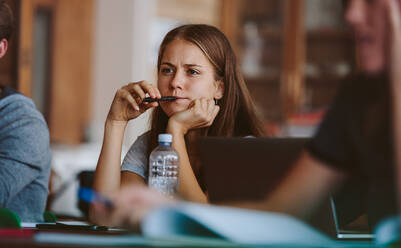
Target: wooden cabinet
{"type": "Point", "coordinates": [293, 53]}
{"type": "Point", "coordinates": [50, 61]}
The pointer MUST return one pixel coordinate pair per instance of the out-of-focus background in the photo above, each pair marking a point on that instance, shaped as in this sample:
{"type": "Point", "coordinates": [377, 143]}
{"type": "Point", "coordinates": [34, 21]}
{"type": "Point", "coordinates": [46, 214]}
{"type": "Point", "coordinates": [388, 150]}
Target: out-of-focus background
{"type": "Point", "coordinates": [71, 56]}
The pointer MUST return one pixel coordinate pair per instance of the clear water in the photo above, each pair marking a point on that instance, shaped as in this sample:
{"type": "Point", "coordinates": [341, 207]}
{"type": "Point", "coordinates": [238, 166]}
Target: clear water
{"type": "Point", "coordinates": [163, 170]}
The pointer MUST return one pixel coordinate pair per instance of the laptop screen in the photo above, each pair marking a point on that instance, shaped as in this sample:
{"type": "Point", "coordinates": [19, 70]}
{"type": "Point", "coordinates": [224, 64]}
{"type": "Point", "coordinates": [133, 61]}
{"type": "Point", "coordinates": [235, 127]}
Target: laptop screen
{"type": "Point", "coordinates": [246, 168]}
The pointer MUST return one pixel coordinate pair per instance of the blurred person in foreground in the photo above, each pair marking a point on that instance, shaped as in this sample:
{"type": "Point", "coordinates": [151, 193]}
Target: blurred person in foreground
{"type": "Point", "coordinates": [358, 141]}
{"type": "Point", "coordinates": [24, 145]}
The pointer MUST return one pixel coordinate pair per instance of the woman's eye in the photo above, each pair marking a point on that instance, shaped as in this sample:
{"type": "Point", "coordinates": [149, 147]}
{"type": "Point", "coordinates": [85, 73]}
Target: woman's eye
{"type": "Point", "coordinates": [166, 70]}
{"type": "Point", "coordinates": [193, 72]}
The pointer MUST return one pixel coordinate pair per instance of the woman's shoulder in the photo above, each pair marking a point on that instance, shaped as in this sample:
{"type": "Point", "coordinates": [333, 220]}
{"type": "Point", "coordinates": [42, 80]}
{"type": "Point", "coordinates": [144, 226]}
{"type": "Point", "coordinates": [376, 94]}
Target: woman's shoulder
{"type": "Point", "coordinates": [142, 140]}
{"type": "Point", "coordinates": [145, 135]}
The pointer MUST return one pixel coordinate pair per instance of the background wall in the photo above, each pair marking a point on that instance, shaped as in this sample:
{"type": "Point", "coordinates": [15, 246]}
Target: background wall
{"type": "Point", "coordinates": [120, 50]}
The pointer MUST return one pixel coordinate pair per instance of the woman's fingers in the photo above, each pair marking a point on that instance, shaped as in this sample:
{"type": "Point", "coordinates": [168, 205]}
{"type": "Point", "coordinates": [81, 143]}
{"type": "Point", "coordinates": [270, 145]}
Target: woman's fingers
{"type": "Point", "coordinates": [200, 113]}
{"type": "Point", "coordinates": [134, 202]}
{"type": "Point", "coordinates": [147, 105]}
{"type": "Point", "coordinates": [206, 111]}
{"type": "Point", "coordinates": [204, 104]}
{"type": "Point", "coordinates": [150, 89]}
{"type": "Point", "coordinates": [215, 111]}
{"type": "Point", "coordinates": [128, 101]}
{"type": "Point", "coordinates": [139, 93]}
{"type": "Point", "coordinates": [128, 97]}
{"type": "Point", "coordinates": [136, 92]}
{"type": "Point", "coordinates": [140, 89]}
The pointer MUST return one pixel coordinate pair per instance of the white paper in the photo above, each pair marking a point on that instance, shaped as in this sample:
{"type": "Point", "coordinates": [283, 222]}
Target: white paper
{"type": "Point", "coordinates": [233, 224]}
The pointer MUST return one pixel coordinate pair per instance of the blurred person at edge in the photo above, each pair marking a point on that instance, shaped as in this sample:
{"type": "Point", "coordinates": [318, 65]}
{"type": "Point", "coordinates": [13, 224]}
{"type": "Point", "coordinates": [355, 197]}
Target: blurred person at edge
{"type": "Point", "coordinates": [358, 142]}
{"type": "Point", "coordinates": [24, 144]}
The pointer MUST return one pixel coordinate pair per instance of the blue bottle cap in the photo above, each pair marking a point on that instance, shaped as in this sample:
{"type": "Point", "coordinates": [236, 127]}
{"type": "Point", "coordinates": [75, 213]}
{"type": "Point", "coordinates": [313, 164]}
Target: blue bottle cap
{"type": "Point", "coordinates": [165, 137]}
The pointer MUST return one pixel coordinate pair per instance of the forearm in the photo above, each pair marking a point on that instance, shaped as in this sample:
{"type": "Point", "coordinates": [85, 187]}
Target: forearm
{"type": "Point", "coordinates": [304, 188]}
{"type": "Point", "coordinates": [396, 106]}
{"type": "Point", "coordinates": [279, 201]}
{"type": "Point", "coordinates": [395, 82]}
{"type": "Point", "coordinates": [108, 175]}
{"type": "Point", "coordinates": [188, 187]}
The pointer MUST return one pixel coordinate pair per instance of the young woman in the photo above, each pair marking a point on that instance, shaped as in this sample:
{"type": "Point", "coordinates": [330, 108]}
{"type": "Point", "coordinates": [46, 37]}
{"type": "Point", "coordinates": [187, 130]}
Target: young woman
{"type": "Point", "coordinates": [197, 65]}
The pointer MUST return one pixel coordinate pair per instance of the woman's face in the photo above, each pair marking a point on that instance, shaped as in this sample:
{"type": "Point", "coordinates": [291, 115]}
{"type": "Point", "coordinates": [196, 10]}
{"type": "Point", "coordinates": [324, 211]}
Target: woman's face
{"type": "Point", "coordinates": [368, 20]}
{"type": "Point", "coordinates": [186, 73]}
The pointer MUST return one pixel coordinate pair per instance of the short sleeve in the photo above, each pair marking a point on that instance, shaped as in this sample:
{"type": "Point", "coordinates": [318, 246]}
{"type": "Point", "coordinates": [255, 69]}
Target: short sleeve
{"type": "Point", "coordinates": [136, 160]}
{"type": "Point", "coordinates": [332, 143]}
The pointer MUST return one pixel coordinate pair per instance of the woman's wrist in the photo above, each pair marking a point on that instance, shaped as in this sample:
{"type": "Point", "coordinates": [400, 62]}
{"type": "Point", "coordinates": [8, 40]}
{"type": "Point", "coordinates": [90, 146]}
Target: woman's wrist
{"type": "Point", "coordinates": [115, 125]}
{"type": "Point", "coordinates": [113, 135]}
{"type": "Point", "coordinates": [175, 128]}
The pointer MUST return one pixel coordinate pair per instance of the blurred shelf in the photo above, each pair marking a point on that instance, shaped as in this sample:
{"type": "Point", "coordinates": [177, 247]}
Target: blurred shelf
{"type": "Point", "coordinates": [321, 81]}
{"type": "Point", "coordinates": [262, 79]}
{"type": "Point", "coordinates": [321, 60]}
{"type": "Point", "coordinates": [271, 33]}
{"type": "Point", "coordinates": [328, 35]}
{"type": "Point", "coordinates": [267, 35]}
{"type": "Point", "coordinates": [324, 80]}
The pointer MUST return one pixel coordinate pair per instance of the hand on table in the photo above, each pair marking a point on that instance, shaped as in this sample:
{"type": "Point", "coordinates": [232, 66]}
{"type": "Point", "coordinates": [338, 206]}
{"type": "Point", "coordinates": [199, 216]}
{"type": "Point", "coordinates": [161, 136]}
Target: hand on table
{"type": "Point", "coordinates": [130, 205]}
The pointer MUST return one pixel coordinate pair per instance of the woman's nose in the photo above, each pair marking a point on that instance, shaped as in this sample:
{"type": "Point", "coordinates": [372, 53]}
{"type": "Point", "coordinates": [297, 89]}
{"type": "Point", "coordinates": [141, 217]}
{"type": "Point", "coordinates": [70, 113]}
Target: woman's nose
{"type": "Point", "coordinates": [177, 81]}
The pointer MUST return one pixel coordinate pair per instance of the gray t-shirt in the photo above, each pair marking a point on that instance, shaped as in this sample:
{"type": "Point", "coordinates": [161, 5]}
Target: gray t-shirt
{"type": "Point", "coordinates": [24, 157]}
{"type": "Point", "coordinates": [136, 159]}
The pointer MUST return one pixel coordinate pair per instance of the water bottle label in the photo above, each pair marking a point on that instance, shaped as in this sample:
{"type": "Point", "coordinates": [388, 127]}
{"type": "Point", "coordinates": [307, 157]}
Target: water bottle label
{"type": "Point", "coordinates": [163, 172]}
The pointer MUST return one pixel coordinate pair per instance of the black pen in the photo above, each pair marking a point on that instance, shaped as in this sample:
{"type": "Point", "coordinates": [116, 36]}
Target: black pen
{"type": "Point", "coordinates": [72, 227]}
{"type": "Point", "coordinates": [164, 98]}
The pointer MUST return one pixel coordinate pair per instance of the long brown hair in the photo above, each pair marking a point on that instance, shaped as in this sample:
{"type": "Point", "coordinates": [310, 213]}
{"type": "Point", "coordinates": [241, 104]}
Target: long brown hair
{"type": "Point", "coordinates": [6, 21]}
{"type": "Point", "coordinates": [237, 116]}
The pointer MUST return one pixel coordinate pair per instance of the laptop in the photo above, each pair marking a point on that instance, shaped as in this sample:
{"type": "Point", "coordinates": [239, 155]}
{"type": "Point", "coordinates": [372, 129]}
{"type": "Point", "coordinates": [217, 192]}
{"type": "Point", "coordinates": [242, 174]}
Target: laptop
{"type": "Point", "coordinates": [348, 234]}
{"type": "Point", "coordinates": [240, 169]}
{"type": "Point", "coordinates": [246, 168]}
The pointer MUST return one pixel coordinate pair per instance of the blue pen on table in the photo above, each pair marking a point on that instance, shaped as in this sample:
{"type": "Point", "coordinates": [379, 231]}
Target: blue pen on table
{"type": "Point", "coordinates": [164, 98]}
{"type": "Point", "coordinates": [91, 196]}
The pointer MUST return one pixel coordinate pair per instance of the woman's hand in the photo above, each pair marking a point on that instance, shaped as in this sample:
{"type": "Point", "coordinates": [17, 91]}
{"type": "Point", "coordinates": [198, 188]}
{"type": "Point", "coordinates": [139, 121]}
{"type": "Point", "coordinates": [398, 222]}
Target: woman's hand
{"type": "Point", "coordinates": [127, 103]}
{"type": "Point", "coordinates": [130, 205]}
{"type": "Point", "coordinates": [200, 113]}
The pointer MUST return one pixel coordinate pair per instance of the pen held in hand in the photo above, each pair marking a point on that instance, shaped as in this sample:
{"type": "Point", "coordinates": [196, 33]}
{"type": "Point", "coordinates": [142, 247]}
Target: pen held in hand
{"type": "Point", "coordinates": [164, 98]}
{"type": "Point", "coordinates": [91, 196]}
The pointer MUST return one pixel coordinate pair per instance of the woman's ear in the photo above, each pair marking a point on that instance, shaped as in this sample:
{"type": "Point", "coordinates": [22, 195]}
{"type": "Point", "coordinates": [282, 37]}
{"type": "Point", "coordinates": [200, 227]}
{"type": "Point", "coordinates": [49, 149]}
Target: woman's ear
{"type": "Point", "coordinates": [3, 47]}
{"type": "Point", "coordinates": [219, 89]}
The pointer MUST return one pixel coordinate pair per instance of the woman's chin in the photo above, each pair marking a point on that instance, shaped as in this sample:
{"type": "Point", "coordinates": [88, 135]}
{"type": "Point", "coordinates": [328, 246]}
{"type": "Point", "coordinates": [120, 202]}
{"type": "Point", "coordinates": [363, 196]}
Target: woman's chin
{"type": "Point", "coordinates": [172, 110]}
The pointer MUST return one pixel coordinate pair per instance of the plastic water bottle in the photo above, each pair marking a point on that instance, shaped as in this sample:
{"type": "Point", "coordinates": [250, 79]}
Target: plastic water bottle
{"type": "Point", "coordinates": [163, 167]}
